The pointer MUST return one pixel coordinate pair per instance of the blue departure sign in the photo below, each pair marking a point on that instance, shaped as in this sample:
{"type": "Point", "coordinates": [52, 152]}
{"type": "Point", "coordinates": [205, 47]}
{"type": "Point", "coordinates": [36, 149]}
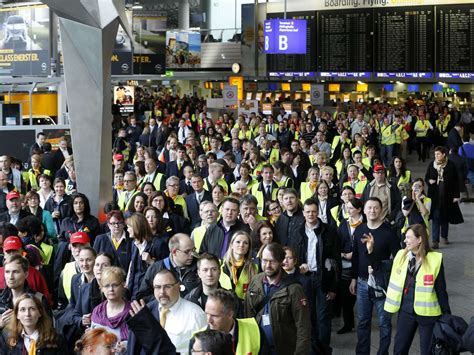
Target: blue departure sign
{"type": "Point", "coordinates": [285, 36]}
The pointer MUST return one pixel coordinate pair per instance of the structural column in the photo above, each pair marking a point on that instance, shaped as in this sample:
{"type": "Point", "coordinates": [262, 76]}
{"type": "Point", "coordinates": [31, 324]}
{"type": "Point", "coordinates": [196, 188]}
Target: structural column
{"type": "Point", "coordinates": [88, 31]}
{"type": "Point", "coordinates": [183, 15]}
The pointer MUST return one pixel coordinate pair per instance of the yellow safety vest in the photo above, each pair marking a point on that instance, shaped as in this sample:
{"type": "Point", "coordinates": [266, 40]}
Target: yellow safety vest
{"type": "Point", "coordinates": [257, 171]}
{"type": "Point", "coordinates": [156, 181]}
{"type": "Point", "coordinates": [388, 135]}
{"type": "Point", "coordinates": [260, 197]}
{"type": "Point", "coordinates": [68, 272]}
{"type": "Point", "coordinates": [220, 182]}
{"type": "Point", "coordinates": [284, 182]}
{"type": "Point", "coordinates": [198, 235]}
{"type": "Point", "coordinates": [421, 128]}
{"type": "Point", "coordinates": [443, 126]}
{"type": "Point", "coordinates": [359, 187]}
{"type": "Point", "coordinates": [306, 192]}
{"type": "Point", "coordinates": [398, 132]}
{"type": "Point", "coordinates": [32, 179]}
{"type": "Point", "coordinates": [123, 203]}
{"type": "Point", "coordinates": [335, 214]}
{"type": "Point", "coordinates": [46, 251]}
{"type": "Point", "coordinates": [426, 301]}
{"type": "Point", "coordinates": [405, 179]}
{"type": "Point", "coordinates": [249, 341]}
{"type": "Point", "coordinates": [274, 156]}
{"type": "Point", "coordinates": [243, 282]}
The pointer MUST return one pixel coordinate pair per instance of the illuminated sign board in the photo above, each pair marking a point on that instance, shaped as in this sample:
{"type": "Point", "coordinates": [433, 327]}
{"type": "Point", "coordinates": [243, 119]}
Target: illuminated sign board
{"type": "Point", "coordinates": [285, 36]}
{"type": "Point", "coordinates": [455, 75]}
{"type": "Point", "coordinates": [423, 75]}
{"type": "Point", "coordinates": [291, 74]}
{"type": "Point", "coordinates": [345, 74]}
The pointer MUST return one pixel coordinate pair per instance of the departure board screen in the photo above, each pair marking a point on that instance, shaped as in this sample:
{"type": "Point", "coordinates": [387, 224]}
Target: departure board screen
{"type": "Point", "coordinates": [345, 41]}
{"type": "Point", "coordinates": [296, 62]}
{"type": "Point", "coordinates": [404, 39]}
{"type": "Point", "coordinates": [455, 38]}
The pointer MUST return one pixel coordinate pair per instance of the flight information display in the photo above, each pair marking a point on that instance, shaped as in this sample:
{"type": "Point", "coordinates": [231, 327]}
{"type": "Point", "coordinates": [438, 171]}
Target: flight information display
{"type": "Point", "coordinates": [404, 40]}
{"type": "Point", "coordinates": [296, 62]}
{"type": "Point", "coordinates": [345, 41]}
{"type": "Point", "coordinates": [455, 40]}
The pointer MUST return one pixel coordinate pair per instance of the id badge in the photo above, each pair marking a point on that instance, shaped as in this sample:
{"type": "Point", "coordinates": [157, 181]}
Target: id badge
{"type": "Point", "coordinates": [265, 320]}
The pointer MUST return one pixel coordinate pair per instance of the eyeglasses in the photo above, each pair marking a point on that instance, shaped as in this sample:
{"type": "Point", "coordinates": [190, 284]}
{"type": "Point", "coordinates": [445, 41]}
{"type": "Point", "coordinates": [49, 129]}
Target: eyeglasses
{"type": "Point", "coordinates": [165, 287]}
{"type": "Point", "coordinates": [188, 252]}
{"type": "Point", "coordinates": [111, 286]}
{"type": "Point", "coordinates": [115, 224]}
{"type": "Point", "coordinates": [128, 180]}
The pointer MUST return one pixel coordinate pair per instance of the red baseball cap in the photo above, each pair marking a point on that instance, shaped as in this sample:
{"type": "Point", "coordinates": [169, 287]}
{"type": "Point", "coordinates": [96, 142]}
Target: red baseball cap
{"type": "Point", "coordinates": [12, 243]}
{"type": "Point", "coordinates": [118, 156]}
{"type": "Point", "coordinates": [12, 194]}
{"type": "Point", "coordinates": [379, 168]}
{"type": "Point", "coordinates": [79, 238]}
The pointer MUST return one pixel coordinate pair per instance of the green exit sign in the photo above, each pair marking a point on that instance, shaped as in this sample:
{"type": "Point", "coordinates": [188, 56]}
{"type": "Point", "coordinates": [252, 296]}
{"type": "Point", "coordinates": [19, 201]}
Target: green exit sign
{"type": "Point", "coordinates": [169, 73]}
{"type": "Point", "coordinates": [449, 90]}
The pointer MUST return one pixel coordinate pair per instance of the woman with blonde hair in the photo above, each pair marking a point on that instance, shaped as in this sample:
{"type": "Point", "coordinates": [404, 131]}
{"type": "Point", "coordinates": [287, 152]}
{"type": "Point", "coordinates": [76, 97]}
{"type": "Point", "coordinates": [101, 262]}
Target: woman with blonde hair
{"type": "Point", "coordinates": [112, 314]}
{"type": "Point", "coordinates": [96, 341]}
{"type": "Point", "coordinates": [31, 330]}
{"type": "Point", "coordinates": [416, 290]}
{"type": "Point", "coordinates": [238, 264]}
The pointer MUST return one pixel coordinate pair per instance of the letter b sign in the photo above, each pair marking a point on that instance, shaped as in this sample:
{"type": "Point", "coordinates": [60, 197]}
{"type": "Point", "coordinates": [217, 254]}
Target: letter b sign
{"type": "Point", "coordinates": [282, 43]}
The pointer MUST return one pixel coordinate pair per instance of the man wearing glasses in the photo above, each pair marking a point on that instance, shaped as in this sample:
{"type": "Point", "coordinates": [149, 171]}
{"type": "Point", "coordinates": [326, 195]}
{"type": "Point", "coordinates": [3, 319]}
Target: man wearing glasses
{"type": "Point", "coordinates": [279, 305]}
{"type": "Point", "coordinates": [182, 263]}
{"type": "Point", "coordinates": [130, 189]}
{"type": "Point", "coordinates": [178, 317]}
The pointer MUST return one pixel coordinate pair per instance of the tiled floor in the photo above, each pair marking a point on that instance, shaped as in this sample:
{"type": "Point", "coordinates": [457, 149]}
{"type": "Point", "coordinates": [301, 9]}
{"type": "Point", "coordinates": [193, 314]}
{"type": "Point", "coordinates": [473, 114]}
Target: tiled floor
{"type": "Point", "coordinates": [459, 269]}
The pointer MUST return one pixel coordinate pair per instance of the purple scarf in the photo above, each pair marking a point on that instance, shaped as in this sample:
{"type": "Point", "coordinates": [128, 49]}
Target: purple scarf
{"type": "Point", "coordinates": [99, 316]}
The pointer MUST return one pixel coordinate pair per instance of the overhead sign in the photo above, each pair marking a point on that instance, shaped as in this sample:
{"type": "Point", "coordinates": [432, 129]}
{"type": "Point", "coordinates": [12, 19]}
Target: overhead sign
{"type": "Point", "coordinates": [230, 95]}
{"type": "Point", "coordinates": [25, 42]}
{"type": "Point", "coordinates": [317, 95]}
{"type": "Point", "coordinates": [285, 36]}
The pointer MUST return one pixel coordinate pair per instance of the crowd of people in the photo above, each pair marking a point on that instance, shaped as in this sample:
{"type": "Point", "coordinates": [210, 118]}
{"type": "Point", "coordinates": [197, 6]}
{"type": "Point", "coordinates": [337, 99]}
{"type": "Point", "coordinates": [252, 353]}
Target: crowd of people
{"type": "Point", "coordinates": [236, 234]}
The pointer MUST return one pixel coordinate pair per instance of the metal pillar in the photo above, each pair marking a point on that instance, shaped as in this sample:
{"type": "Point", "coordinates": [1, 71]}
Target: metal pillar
{"type": "Point", "coordinates": [88, 31]}
{"type": "Point", "coordinates": [183, 17]}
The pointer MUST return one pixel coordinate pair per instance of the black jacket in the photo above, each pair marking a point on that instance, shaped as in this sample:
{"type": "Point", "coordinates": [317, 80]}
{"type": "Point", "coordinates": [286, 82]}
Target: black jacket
{"type": "Point", "coordinates": [5, 216]}
{"type": "Point", "coordinates": [286, 226]}
{"type": "Point", "coordinates": [121, 256]}
{"type": "Point", "coordinates": [19, 348]}
{"type": "Point", "coordinates": [214, 237]}
{"type": "Point", "coordinates": [327, 249]}
{"type": "Point", "coordinates": [147, 334]}
{"type": "Point", "coordinates": [444, 201]}
{"type": "Point", "coordinates": [193, 207]}
{"type": "Point", "coordinates": [187, 277]}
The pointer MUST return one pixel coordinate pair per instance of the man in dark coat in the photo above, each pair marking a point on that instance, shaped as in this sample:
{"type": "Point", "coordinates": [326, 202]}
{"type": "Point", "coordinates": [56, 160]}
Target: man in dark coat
{"type": "Point", "coordinates": [14, 213]}
{"type": "Point", "coordinates": [290, 219]}
{"type": "Point", "coordinates": [443, 189]}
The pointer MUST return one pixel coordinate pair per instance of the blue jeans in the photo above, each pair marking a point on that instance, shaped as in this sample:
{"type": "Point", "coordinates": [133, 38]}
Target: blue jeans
{"type": "Point", "coordinates": [439, 225]}
{"type": "Point", "coordinates": [365, 305]}
{"type": "Point", "coordinates": [470, 177]}
{"type": "Point", "coordinates": [386, 153]}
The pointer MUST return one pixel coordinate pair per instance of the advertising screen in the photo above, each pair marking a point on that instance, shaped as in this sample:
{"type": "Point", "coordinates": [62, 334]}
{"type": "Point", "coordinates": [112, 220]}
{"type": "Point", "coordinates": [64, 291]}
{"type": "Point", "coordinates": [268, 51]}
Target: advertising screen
{"type": "Point", "coordinates": [124, 96]}
{"type": "Point", "coordinates": [149, 36]}
{"type": "Point", "coordinates": [24, 41]}
{"type": "Point", "coordinates": [183, 49]}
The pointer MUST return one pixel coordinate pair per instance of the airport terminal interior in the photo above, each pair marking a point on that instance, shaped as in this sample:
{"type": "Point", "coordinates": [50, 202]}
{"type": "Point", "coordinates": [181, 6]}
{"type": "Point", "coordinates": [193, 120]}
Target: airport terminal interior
{"type": "Point", "coordinates": [236, 177]}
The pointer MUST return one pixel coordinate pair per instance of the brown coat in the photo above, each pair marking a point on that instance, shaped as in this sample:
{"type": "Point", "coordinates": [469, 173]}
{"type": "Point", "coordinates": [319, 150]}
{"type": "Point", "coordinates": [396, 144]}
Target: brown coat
{"type": "Point", "coordinates": [289, 315]}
